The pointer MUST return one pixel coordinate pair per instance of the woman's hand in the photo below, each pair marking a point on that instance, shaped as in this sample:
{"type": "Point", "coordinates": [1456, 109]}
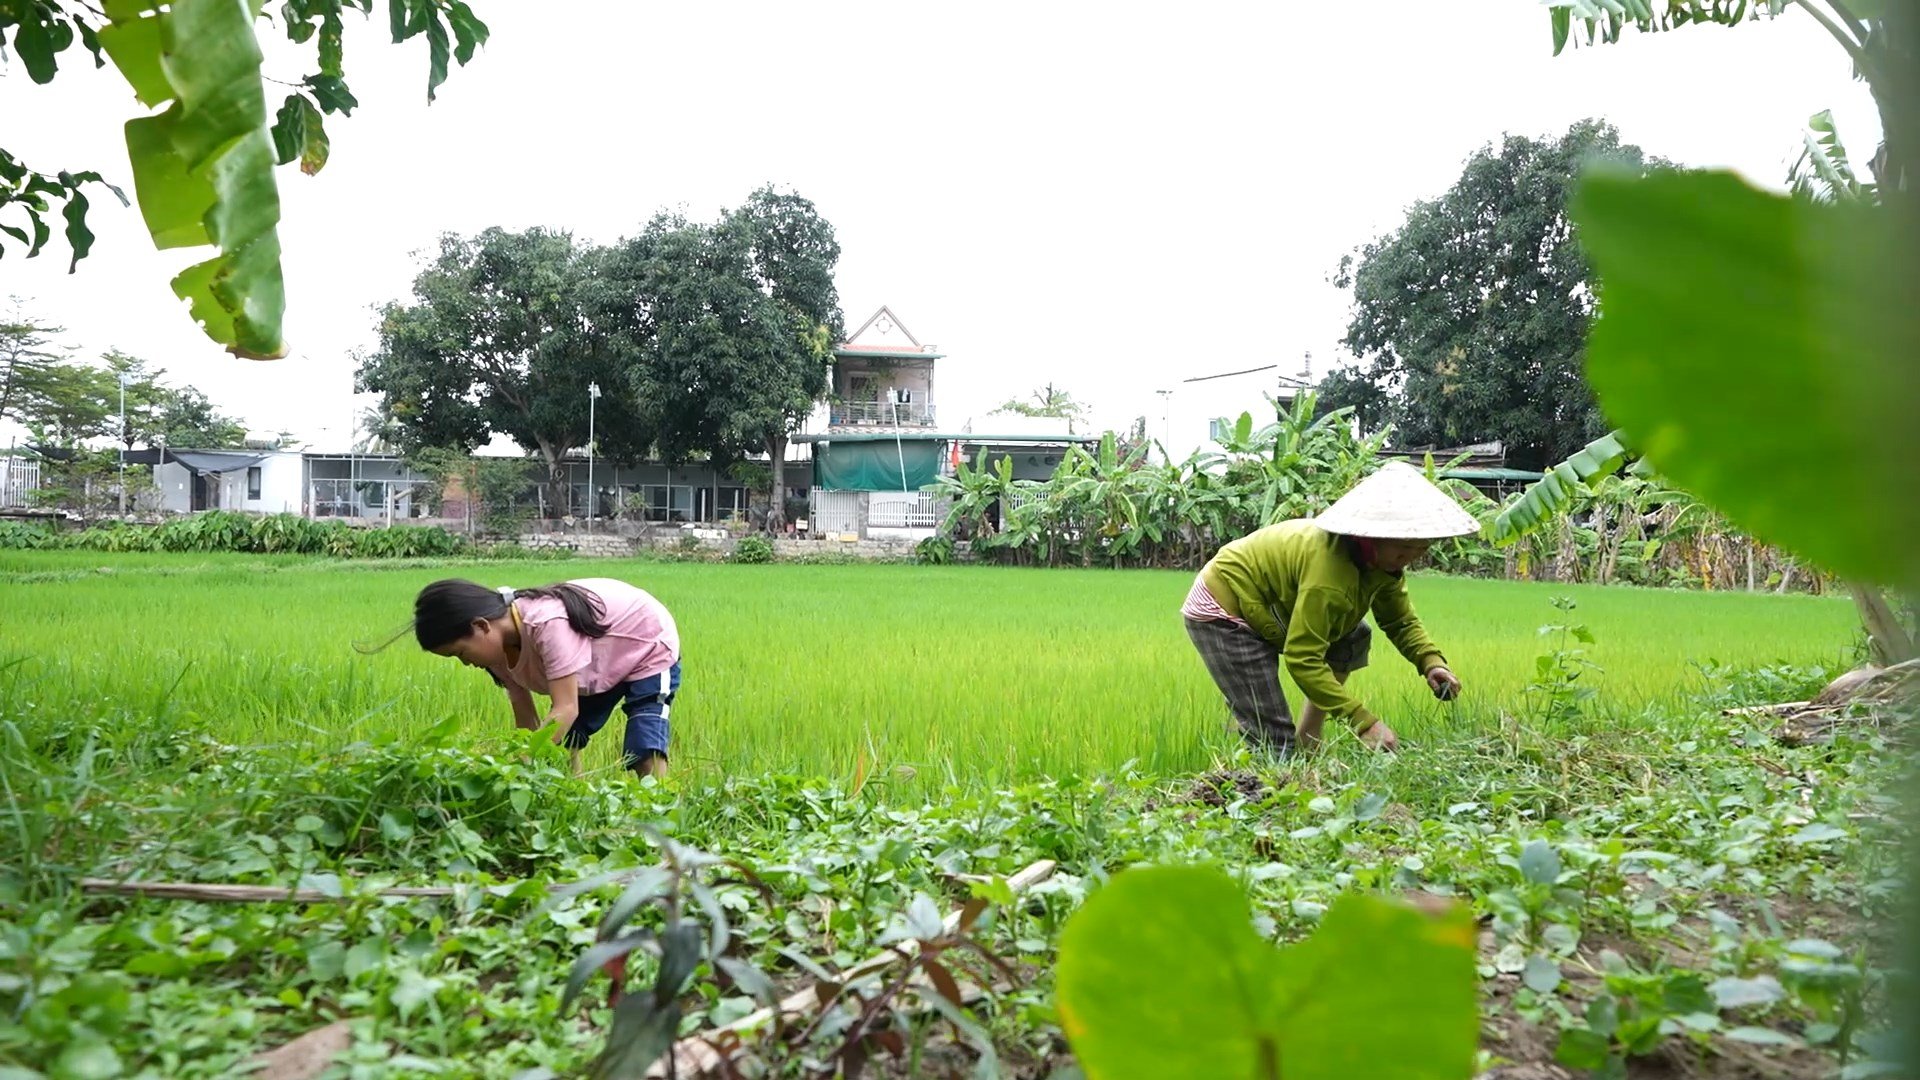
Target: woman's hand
{"type": "Point", "coordinates": [1380, 737]}
{"type": "Point", "coordinates": [1445, 684]}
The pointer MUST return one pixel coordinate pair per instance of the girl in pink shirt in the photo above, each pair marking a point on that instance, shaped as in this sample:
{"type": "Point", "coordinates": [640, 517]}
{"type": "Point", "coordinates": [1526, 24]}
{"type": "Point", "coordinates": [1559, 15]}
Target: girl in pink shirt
{"type": "Point", "coordinates": [587, 645]}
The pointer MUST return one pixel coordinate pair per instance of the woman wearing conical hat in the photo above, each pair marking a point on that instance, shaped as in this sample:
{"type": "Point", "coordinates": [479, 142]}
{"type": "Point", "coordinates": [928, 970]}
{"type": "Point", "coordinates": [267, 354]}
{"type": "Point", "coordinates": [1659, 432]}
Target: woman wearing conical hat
{"type": "Point", "coordinates": [1299, 592]}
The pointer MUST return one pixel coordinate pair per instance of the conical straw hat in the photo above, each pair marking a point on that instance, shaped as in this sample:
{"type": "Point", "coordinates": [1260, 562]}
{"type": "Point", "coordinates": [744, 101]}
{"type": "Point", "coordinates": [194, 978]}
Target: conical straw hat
{"type": "Point", "coordinates": [1397, 503]}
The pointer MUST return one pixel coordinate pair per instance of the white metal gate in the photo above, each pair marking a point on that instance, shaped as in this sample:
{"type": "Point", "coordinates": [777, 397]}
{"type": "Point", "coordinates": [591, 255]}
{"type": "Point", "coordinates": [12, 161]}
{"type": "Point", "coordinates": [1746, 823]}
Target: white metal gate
{"type": "Point", "coordinates": [833, 512]}
{"type": "Point", "coordinates": [18, 480]}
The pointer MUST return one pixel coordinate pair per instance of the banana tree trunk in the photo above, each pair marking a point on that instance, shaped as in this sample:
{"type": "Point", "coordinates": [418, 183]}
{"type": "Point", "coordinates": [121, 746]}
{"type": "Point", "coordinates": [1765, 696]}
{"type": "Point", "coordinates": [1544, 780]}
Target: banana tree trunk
{"type": "Point", "coordinates": [1890, 641]}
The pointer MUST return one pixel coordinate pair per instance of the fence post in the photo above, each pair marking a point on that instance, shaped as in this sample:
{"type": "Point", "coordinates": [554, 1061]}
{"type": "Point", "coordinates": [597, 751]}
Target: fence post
{"type": "Point", "coordinates": [860, 512]}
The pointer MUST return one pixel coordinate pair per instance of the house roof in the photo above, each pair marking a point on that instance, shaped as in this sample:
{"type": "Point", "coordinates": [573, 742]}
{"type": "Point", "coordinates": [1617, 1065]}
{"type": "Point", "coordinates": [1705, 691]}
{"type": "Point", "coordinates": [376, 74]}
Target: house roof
{"type": "Point", "coordinates": [888, 353]}
{"type": "Point", "coordinates": [197, 460]}
{"type": "Point", "coordinates": [886, 331]}
{"type": "Point", "coordinates": [887, 312]}
{"type": "Point", "coordinates": [1492, 474]}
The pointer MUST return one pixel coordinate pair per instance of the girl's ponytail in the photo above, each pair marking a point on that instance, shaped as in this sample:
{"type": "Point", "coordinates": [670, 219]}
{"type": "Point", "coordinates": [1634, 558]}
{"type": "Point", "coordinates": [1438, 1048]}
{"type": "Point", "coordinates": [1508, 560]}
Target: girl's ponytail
{"type": "Point", "coordinates": [585, 612]}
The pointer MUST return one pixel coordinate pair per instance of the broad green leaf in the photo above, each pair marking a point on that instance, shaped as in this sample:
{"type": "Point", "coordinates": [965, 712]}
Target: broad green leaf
{"type": "Point", "coordinates": [437, 52]}
{"type": "Point", "coordinates": [1816, 833]}
{"type": "Point", "coordinates": [364, 957]}
{"type": "Point", "coordinates": [1159, 950]}
{"type": "Point", "coordinates": [1765, 363]}
{"type": "Point", "coordinates": [299, 131]}
{"type": "Point", "coordinates": [79, 237]}
{"type": "Point", "coordinates": [173, 201]}
{"type": "Point", "coordinates": [1170, 949]}
{"type": "Point", "coordinates": [87, 1059]}
{"type": "Point", "coordinates": [33, 43]}
{"type": "Point", "coordinates": [1539, 863]}
{"type": "Point", "coordinates": [134, 46]}
{"type": "Point", "coordinates": [330, 44]}
{"type": "Point", "coordinates": [327, 961]}
{"type": "Point", "coordinates": [1732, 993]}
{"type": "Point", "coordinates": [413, 991]}
{"type": "Point", "coordinates": [469, 33]}
{"type": "Point", "coordinates": [1425, 1013]}
{"type": "Point", "coordinates": [1581, 1049]}
{"type": "Point", "coordinates": [203, 171]}
{"type": "Point", "coordinates": [1542, 975]}
{"type": "Point", "coordinates": [332, 94]}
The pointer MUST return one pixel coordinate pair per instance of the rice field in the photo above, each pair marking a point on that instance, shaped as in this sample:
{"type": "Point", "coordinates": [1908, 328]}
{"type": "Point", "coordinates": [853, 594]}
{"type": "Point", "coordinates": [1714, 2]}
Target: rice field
{"type": "Point", "coordinates": [938, 674]}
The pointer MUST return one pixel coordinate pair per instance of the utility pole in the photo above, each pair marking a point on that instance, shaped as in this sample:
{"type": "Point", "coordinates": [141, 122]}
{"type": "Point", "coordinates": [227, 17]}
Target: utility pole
{"type": "Point", "coordinates": [123, 444]}
{"type": "Point", "coordinates": [593, 398]}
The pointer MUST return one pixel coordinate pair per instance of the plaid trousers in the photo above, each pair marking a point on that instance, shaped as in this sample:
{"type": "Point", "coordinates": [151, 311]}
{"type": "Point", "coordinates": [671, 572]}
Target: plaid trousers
{"type": "Point", "coordinates": [1246, 668]}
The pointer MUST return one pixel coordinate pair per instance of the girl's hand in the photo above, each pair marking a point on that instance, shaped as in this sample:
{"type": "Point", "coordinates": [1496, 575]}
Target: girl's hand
{"type": "Point", "coordinates": [1445, 684]}
{"type": "Point", "coordinates": [560, 729]}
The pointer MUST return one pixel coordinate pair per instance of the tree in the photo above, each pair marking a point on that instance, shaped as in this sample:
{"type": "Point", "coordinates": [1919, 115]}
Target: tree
{"type": "Point", "coordinates": [498, 340]}
{"type": "Point", "coordinates": [736, 322]}
{"type": "Point", "coordinates": [203, 167]}
{"type": "Point", "coordinates": [187, 418]}
{"type": "Point", "coordinates": [29, 356]}
{"type": "Point", "coordinates": [1473, 315]}
{"type": "Point", "coordinates": [1351, 388]}
{"type": "Point", "coordinates": [74, 402]}
{"type": "Point", "coordinates": [1049, 400]}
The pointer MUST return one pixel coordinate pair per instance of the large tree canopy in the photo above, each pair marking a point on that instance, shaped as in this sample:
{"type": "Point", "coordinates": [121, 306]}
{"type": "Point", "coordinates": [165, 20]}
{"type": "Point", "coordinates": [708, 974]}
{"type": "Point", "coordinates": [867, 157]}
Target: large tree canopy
{"type": "Point", "coordinates": [736, 322]}
{"type": "Point", "coordinates": [1473, 314]}
{"type": "Point", "coordinates": [498, 340]}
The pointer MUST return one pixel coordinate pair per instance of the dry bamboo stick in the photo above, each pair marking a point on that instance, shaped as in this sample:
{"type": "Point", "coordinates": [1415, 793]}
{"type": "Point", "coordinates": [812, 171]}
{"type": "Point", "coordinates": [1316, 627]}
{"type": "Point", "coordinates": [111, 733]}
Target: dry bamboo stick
{"type": "Point", "coordinates": [694, 1056]}
{"type": "Point", "coordinates": [244, 894]}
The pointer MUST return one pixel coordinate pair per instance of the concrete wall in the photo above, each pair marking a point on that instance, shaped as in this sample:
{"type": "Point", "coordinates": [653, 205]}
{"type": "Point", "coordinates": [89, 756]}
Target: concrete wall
{"type": "Point", "coordinates": [605, 546]}
{"type": "Point", "coordinates": [282, 486]}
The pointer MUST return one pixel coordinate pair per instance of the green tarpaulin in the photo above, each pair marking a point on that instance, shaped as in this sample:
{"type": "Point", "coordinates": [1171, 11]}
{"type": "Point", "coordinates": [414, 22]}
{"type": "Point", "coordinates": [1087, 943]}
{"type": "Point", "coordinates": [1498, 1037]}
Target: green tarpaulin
{"type": "Point", "coordinates": [876, 466]}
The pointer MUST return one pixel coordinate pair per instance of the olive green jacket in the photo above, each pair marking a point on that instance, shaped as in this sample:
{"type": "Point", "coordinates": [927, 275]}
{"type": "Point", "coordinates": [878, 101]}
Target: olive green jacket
{"type": "Point", "coordinates": [1302, 589]}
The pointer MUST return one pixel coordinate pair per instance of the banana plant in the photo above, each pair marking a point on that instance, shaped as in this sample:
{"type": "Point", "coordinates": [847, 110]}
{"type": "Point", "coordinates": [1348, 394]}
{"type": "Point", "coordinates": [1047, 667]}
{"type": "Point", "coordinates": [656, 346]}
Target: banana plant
{"type": "Point", "coordinates": [1824, 171]}
{"type": "Point", "coordinates": [1554, 494]}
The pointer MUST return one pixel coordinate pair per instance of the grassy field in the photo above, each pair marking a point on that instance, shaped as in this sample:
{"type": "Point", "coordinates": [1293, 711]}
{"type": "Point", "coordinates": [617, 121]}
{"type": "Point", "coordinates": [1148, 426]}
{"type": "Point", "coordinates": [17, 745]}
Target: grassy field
{"type": "Point", "coordinates": [959, 673]}
{"type": "Point", "coordinates": [1643, 860]}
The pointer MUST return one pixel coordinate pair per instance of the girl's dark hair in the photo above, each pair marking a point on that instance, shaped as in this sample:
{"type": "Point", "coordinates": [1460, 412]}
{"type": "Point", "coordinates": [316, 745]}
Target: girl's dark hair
{"type": "Point", "coordinates": [445, 610]}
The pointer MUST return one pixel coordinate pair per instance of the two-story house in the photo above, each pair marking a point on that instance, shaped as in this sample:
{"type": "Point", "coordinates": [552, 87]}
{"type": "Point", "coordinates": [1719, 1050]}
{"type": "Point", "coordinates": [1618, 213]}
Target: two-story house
{"type": "Point", "coordinates": [882, 445]}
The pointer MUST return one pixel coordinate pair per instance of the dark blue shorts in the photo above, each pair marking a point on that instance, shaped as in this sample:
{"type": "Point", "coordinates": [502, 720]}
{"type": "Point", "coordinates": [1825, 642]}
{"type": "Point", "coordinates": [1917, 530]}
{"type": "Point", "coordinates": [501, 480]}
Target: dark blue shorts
{"type": "Point", "coordinates": [646, 702]}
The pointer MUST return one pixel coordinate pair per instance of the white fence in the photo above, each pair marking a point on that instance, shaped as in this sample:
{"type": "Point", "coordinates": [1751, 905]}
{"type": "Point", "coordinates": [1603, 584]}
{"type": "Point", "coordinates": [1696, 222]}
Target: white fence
{"type": "Point", "coordinates": [902, 510]}
{"type": "Point", "coordinates": [19, 479]}
{"type": "Point", "coordinates": [837, 513]}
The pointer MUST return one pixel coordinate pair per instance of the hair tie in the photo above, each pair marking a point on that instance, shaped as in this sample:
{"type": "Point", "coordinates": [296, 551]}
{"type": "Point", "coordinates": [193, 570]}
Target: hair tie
{"type": "Point", "coordinates": [506, 594]}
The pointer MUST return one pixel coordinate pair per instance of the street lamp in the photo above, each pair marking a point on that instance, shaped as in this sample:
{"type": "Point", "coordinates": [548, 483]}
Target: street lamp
{"type": "Point", "coordinates": [123, 444]}
{"type": "Point", "coordinates": [593, 396]}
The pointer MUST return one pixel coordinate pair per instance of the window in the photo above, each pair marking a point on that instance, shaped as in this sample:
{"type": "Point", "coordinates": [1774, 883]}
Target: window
{"type": "Point", "coordinates": [668, 504]}
{"type": "Point", "coordinates": [1216, 430]}
{"type": "Point", "coordinates": [253, 482]}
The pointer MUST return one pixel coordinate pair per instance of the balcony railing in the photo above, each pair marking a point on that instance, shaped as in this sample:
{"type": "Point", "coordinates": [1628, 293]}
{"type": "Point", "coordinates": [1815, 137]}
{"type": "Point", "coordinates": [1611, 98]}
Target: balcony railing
{"type": "Point", "coordinates": [880, 414]}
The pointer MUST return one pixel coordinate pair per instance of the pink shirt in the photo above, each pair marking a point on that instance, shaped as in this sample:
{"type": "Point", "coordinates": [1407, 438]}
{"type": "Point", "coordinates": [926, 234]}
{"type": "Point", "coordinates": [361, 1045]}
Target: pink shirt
{"type": "Point", "coordinates": [641, 640]}
{"type": "Point", "coordinates": [1202, 606]}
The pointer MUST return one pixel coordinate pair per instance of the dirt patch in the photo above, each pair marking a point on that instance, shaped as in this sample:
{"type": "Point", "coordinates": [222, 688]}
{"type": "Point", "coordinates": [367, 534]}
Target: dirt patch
{"type": "Point", "coordinates": [1523, 1050]}
{"type": "Point", "coordinates": [1225, 786]}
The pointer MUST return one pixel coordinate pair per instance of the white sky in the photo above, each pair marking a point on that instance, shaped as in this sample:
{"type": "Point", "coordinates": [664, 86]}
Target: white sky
{"type": "Point", "coordinates": [1105, 197]}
